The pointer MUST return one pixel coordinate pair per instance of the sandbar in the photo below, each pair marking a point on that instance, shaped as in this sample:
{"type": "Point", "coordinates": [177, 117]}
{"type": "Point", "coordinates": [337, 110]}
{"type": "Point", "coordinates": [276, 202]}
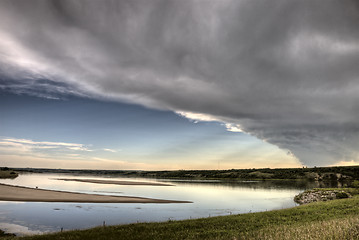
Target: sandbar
{"type": "Point", "coordinates": [26, 194]}
{"type": "Point", "coordinates": [114, 182]}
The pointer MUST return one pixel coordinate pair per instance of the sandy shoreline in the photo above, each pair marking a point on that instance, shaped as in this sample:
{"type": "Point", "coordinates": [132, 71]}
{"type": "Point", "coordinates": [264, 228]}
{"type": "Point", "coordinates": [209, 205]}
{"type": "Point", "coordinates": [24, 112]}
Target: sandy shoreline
{"type": "Point", "coordinates": [114, 182]}
{"type": "Point", "coordinates": [25, 194]}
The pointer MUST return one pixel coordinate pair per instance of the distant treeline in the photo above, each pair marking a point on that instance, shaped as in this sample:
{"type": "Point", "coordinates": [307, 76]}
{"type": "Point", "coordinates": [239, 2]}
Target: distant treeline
{"type": "Point", "coordinates": [313, 174]}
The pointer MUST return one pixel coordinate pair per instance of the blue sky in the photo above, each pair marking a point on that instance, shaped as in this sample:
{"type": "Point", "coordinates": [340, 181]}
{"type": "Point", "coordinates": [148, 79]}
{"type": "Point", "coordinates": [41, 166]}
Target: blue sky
{"type": "Point", "coordinates": [112, 135]}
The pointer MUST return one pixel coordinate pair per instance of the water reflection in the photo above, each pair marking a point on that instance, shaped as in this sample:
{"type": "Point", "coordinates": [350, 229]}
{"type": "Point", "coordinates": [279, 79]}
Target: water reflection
{"type": "Point", "coordinates": [268, 184]}
{"type": "Point", "coordinates": [210, 198]}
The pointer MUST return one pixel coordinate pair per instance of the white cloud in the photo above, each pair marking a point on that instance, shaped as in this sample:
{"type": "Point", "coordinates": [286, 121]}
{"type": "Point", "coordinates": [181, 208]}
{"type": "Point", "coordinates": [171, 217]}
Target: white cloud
{"type": "Point", "coordinates": [110, 150]}
{"type": "Point", "coordinates": [231, 127]}
{"type": "Point", "coordinates": [198, 116]}
{"type": "Point", "coordinates": [30, 144]}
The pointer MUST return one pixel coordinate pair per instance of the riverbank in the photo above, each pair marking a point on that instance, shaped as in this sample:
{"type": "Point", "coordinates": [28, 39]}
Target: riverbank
{"type": "Point", "coordinates": [8, 174]}
{"type": "Point", "coordinates": [325, 194]}
{"type": "Point", "coordinates": [337, 219]}
{"type": "Point", "coordinates": [25, 194]}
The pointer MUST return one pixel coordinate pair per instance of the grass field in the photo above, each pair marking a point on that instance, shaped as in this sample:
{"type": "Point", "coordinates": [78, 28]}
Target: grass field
{"type": "Point", "coordinates": [337, 219]}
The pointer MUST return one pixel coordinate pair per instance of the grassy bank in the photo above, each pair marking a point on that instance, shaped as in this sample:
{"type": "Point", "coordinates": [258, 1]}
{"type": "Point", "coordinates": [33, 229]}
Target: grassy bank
{"type": "Point", "coordinates": [337, 219]}
{"type": "Point", "coordinates": [8, 174]}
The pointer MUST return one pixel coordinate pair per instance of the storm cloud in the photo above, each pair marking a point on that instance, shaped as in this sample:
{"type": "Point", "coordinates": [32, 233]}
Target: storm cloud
{"type": "Point", "coordinates": [285, 71]}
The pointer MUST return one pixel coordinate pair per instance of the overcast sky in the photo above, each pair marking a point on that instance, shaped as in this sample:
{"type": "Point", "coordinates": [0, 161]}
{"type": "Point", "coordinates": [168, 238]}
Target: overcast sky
{"type": "Point", "coordinates": [279, 74]}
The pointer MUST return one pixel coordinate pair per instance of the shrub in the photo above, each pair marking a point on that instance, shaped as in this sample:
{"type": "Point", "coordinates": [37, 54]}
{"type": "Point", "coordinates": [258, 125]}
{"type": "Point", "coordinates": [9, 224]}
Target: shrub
{"type": "Point", "coordinates": [355, 184]}
{"type": "Point", "coordinates": [340, 195]}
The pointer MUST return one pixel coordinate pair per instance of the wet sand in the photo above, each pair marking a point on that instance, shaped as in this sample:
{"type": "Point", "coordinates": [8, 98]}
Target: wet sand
{"type": "Point", "coordinates": [25, 194]}
{"type": "Point", "coordinates": [114, 182]}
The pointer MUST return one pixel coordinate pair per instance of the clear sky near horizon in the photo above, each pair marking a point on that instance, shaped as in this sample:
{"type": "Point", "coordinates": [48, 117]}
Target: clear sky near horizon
{"type": "Point", "coordinates": [85, 133]}
{"type": "Point", "coordinates": [167, 84]}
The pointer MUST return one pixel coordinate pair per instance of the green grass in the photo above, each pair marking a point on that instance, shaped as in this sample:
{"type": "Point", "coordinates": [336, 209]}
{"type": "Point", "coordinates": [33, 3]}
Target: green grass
{"type": "Point", "coordinates": [337, 219]}
{"type": "Point", "coordinates": [340, 229]}
{"type": "Point", "coordinates": [8, 174]}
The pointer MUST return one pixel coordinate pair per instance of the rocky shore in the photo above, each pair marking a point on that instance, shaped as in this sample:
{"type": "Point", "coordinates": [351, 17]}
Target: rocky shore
{"type": "Point", "coordinates": [317, 195]}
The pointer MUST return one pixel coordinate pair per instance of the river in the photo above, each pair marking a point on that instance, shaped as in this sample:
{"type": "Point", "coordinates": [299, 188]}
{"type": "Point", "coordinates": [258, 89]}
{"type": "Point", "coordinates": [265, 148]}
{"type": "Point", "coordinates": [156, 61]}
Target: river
{"type": "Point", "coordinates": [209, 198]}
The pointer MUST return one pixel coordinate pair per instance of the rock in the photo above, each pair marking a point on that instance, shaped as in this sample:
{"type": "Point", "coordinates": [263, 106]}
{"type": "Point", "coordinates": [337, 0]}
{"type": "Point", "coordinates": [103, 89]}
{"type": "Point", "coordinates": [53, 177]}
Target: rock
{"type": "Point", "coordinates": [317, 195]}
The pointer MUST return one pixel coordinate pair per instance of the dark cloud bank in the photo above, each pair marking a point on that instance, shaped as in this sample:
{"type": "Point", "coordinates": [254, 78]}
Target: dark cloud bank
{"type": "Point", "coordinates": [285, 70]}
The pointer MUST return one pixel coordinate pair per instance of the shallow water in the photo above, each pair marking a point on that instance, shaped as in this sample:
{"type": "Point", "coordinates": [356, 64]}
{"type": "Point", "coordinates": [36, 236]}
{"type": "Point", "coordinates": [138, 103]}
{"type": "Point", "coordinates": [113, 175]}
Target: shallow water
{"type": "Point", "coordinates": [210, 198]}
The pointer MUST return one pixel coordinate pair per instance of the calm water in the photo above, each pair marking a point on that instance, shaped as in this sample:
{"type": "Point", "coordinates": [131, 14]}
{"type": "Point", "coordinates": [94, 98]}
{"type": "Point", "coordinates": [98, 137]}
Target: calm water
{"type": "Point", "coordinates": [210, 198]}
